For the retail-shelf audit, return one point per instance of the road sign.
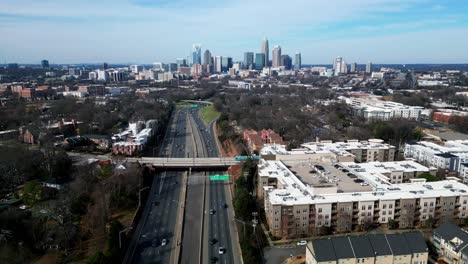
(218, 177)
(194, 105)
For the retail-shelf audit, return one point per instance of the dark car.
(225, 205)
(213, 260)
(213, 241)
(358, 180)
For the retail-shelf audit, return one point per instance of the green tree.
(429, 177)
(32, 192)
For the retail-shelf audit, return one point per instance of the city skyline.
(426, 31)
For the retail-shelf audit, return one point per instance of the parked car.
(302, 243)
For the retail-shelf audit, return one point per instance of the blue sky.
(145, 31)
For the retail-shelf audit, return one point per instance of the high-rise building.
(276, 57)
(369, 67)
(217, 64)
(197, 70)
(297, 61)
(136, 68)
(173, 67)
(266, 51)
(196, 54)
(340, 67)
(105, 66)
(259, 61)
(158, 66)
(248, 60)
(181, 63)
(353, 67)
(102, 75)
(286, 61)
(207, 57)
(45, 64)
(226, 63)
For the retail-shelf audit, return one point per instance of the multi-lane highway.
(204, 231)
(218, 231)
(159, 217)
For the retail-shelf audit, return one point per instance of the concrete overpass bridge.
(193, 163)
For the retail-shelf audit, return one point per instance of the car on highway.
(163, 242)
(221, 250)
(213, 241)
(302, 243)
(212, 212)
(225, 205)
(213, 260)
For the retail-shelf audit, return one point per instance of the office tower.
(136, 68)
(226, 63)
(286, 61)
(369, 67)
(72, 71)
(353, 67)
(45, 64)
(197, 70)
(206, 57)
(266, 51)
(12, 66)
(217, 63)
(344, 68)
(92, 75)
(117, 76)
(158, 66)
(337, 64)
(196, 54)
(102, 75)
(259, 61)
(297, 61)
(181, 62)
(248, 60)
(276, 57)
(105, 66)
(173, 67)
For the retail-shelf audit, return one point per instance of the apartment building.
(303, 202)
(257, 139)
(351, 150)
(451, 243)
(403, 248)
(374, 109)
(446, 156)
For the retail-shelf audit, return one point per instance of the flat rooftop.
(308, 173)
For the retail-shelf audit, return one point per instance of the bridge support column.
(190, 171)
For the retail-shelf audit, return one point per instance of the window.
(320, 210)
(363, 207)
(368, 213)
(327, 216)
(384, 206)
(383, 219)
(390, 206)
(384, 212)
(389, 212)
(425, 204)
(369, 207)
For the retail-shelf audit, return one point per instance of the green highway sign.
(217, 177)
(194, 105)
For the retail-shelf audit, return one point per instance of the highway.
(218, 225)
(159, 217)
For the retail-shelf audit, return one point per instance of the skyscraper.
(217, 64)
(196, 54)
(248, 60)
(259, 61)
(276, 57)
(340, 67)
(181, 62)
(369, 67)
(105, 66)
(226, 63)
(266, 51)
(45, 64)
(297, 61)
(353, 67)
(206, 57)
(286, 61)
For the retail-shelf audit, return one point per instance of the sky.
(147, 31)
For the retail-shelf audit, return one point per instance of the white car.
(221, 250)
(163, 242)
(23, 207)
(302, 243)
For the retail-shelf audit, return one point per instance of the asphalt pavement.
(159, 217)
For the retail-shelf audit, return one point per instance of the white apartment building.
(447, 157)
(299, 202)
(351, 150)
(373, 109)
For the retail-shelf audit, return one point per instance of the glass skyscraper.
(259, 61)
(248, 59)
(196, 54)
